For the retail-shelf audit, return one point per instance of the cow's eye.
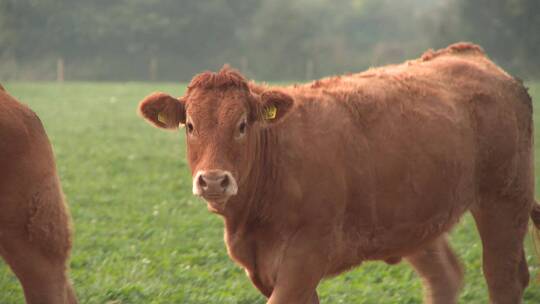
(189, 127)
(242, 127)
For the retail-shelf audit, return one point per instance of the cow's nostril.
(202, 182)
(225, 182)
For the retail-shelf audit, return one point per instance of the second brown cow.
(314, 179)
(35, 225)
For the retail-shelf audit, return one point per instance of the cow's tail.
(535, 217)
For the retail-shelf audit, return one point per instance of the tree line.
(266, 39)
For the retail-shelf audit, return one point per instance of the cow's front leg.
(301, 269)
(297, 293)
(315, 298)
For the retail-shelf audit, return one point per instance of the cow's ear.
(163, 110)
(274, 106)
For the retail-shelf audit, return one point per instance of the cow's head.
(223, 117)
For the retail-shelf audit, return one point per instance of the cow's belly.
(409, 186)
(386, 234)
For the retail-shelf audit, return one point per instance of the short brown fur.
(35, 229)
(371, 166)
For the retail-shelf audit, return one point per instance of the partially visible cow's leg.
(37, 242)
(293, 295)
(315, 299)
(301, 269)
(296, 285)
(440, 270)
(502, 225)
(454, 262)
(43, 278)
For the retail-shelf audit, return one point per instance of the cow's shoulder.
(14, 112)
(20, 127)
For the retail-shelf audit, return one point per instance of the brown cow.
(314, 179)
(35, 228)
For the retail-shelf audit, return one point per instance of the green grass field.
(141, 237)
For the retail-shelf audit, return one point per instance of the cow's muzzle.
(214, 185)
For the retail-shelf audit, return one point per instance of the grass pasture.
(141, 237)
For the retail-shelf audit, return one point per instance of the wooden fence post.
(244, 65)
(60, 70)
(153, 69)
(310, 67)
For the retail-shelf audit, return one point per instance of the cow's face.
(219, 136)
(223, 119)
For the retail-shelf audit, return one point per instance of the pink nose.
(213, 182)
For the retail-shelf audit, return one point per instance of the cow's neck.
(255, 195)
(250, 213)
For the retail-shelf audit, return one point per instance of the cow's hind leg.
(43, 277)
(502, 225)
(37, 246)
(440, 270)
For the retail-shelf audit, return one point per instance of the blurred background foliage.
(163, 40)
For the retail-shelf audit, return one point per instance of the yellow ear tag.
(270, 112)
(161, 118)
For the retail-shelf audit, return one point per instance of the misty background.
(272, 40)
